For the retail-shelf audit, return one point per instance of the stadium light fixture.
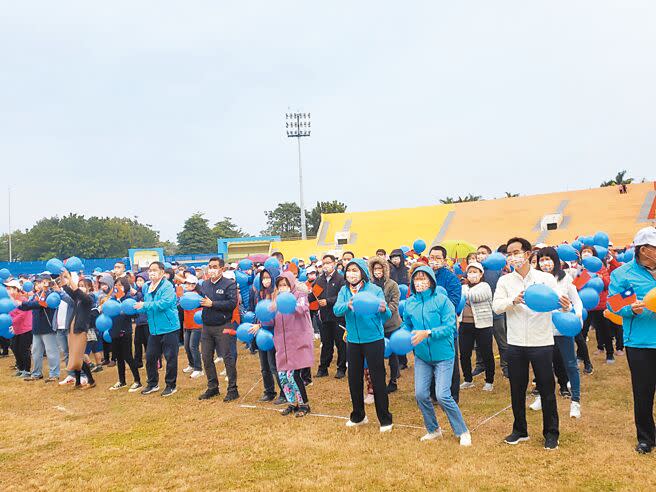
(298, 125)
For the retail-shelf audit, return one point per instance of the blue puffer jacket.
(639, 329)
(447, 279)
(161, 308)
(362, 329)
(430, 310)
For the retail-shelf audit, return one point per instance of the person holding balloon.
(21, 326)
(632, 295)
(192, 331)
(431, 318)
(363, 306)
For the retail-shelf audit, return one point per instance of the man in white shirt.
(530, 340)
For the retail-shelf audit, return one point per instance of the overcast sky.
(158, 109)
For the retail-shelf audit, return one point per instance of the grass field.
(56, 438)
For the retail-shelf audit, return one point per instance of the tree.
(227, 228)
(467, 198)
(619, 180)
(284, 221)
(313, 218)
(511, 195)
(196, 236)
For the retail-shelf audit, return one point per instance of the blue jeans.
(47, 342)
(568, 354)
(443, 372)
(192, 348)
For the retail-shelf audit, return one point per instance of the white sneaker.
(569, 385)
(465, 439)
(188, 369)
(317, 336)
(432, 435)
(386, 428)
(223, 373)
(575, 410)
(84, 381)
(369, 399)
(364, 421)
(196, 374)
(69, 380)
(218, 359)
(488, 387)
(467, 384)
(537, 404)
(135, 387)
(117, 386)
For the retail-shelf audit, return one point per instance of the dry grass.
(55, 438)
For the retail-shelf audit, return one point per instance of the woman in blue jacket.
(432, 319)
(365, 336)
(639, 325)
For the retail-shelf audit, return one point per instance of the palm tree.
(448, 199)
(619, 180)
(460, 199)
(511, 195)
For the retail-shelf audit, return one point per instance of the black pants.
(393, 361)
(616, 333)
(582, 347)
(332, 335)
(541, 359)
(141, 334)
(4, 345)
(212, 338)
(20, 346)
(269, 372)
(559, 368)
(306, 374)
(375, 355)
(642, 363)
(483, 338)
(123, 350)
(602, 330)
(167, 345)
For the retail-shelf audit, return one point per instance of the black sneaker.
(392, 387)
(565, 393)
(535, 392)
(478, 370)
(515, 438)
(266, 398)
(643, 448)
(588, 369)
(168, 391)
(149, 389)
(340, 375)
(230, 396)
(281, 400)
(208, 394)
(504, 370)
(321, 373)
(288, 410)
(302, 411)
(403, 367)
(550, 443)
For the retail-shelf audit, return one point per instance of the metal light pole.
(9, 210)
(298, 126)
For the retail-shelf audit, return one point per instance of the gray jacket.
(391, 291)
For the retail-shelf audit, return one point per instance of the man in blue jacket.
(160, 305)
(639, 276)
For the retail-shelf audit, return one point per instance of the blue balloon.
(441, 290)
(568, 324)
(111, 308)
(577, 245)
(248, 317)
(241, 278)
(365, 304)
(53, 300)
(28, 286)
(596, 284)
(388, 348)
(403, 290)
(3, 292)
(107, 336)
(190, 301)
(4, 273)
(198, 317)
(104, 322)
(286, 303)
(495, 262)
(74, 264)
(601, 239)
(245, 264)
(541, 298)
(401, 342)
(264, 340)
(628, 255)
(294, 261)
(587, 240)
(127, 307)
(461, 304)
(6, 305)
(97, 270)
(272, 263)
(402, 308)
(419, 246)
(55, 266)
(620, 257)
(302, 275)
(601, 251)
(405, 249)
(313, 258)
(168, 264)
(263, 312)
(567, 252)
(592, 263)
(584, 314)
(256, 283)
(5, 322)
(589, 298)
(242, 333)
(457, 268)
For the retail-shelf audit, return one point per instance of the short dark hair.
(590, 248)
(332, 257)
(381, 250)
(502, 249)
(159, 264)
(437, 247)
(526, 244)
(486, 248)
(216, 258)
(348, 253)
(278, 253)
(120, 261)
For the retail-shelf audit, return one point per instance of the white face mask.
(517, 261)
(547, 265)
(587, 254)
(328, 269)
(421, 285)
(473, 277)
(266, 283)
(213, 272)
(353, 278)
(378, 273)
(436, 264)
(481, 257)
(153, 276)
(283, 288)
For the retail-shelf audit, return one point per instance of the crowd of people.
(455, 311)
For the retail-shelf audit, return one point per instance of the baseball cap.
(475, 264)
(13, 283)
(229, 274)
(191, 279)
(645, 237)
(311, 270)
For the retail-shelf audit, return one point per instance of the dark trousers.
(269, 372)
(20, 346)
(483, 338)
(642, 363)
(4, 345)
(541, 359)
(559, 368)
(332, 335)
(602, 331)
(166, 345)
(123, 350)
(374, 352)
(616, 333)
(393, 361)
(108, 351)
(213, 339)
(141, 334)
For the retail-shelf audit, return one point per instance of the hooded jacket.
(21, 321)
(43, 318)
(360, 328)
(264, 293)
(431, 310)
(293, 336)
(398, 273)
(390, 290)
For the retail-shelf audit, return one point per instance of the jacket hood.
(397, 252)
(274, 277)
(428, 271)
(289, 276)
(377, 260)
(107, 279)
(362, 265)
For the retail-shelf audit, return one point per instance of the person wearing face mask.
(192, 332)
(476, 326)
(141, 331)
(218, 303)
(431, 318)
(639, 276)
(365, 337)
(21, 327)
(329, 284)
(530, 341)
(160, 305)
(565, 363)
(398, 270)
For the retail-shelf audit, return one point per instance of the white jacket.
(565, 287)
(480, 300)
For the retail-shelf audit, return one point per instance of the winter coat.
(161, 308)
(390, 290)
(480, 299)
(43, 318)
(21, 321)
(398, 273)
(330, 291)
